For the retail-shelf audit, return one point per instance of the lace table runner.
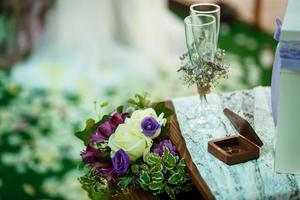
(251, 180)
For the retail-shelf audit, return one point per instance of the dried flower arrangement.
(201, 70)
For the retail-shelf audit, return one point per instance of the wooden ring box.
(236, 149)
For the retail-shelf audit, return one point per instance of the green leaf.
(100, 187)
(140, 101)
(104, 104)
(157, 176)
(94, 195)
(120, 109)
(169, 159)
(156, 185)
(95, 189)
(156, 168)
(145, 186)
(144, 167)
(181, 163)
(104, 119)
(87, 132)
(124, 182)
(166, 153)
(181, 166)
(144, 177)
(174, 179)
(170, 192)
(184, 176)
(135, 169)
(161, 108)
(153, 159)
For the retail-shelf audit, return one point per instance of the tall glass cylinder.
(200, 33)
(208, 9)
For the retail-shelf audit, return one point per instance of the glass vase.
(208, 9)
(200, 33)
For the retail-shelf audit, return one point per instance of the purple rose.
(149, 126)
(103, 165)
(159, 148)
(120, 162)
(104, 131)
(111, 175)
(91, 155)
(115, 120)
(125, 115)
(107, 171)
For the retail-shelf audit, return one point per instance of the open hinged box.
(236, 149)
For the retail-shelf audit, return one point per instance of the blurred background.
(59, 56)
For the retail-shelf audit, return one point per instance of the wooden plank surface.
(178, 140)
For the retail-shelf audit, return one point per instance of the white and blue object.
(286, 91)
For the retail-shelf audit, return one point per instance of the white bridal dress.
(102, 48)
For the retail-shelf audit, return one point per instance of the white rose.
(129, 137)
(138, 116)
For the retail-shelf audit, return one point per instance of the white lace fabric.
(251, 180)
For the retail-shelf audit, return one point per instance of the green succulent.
(163, 174)
(95, 186)
(157, 175)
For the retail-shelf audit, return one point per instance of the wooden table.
(254, 179)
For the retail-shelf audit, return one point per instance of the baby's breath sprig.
(203, 73)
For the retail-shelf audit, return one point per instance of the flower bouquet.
(129, 149)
